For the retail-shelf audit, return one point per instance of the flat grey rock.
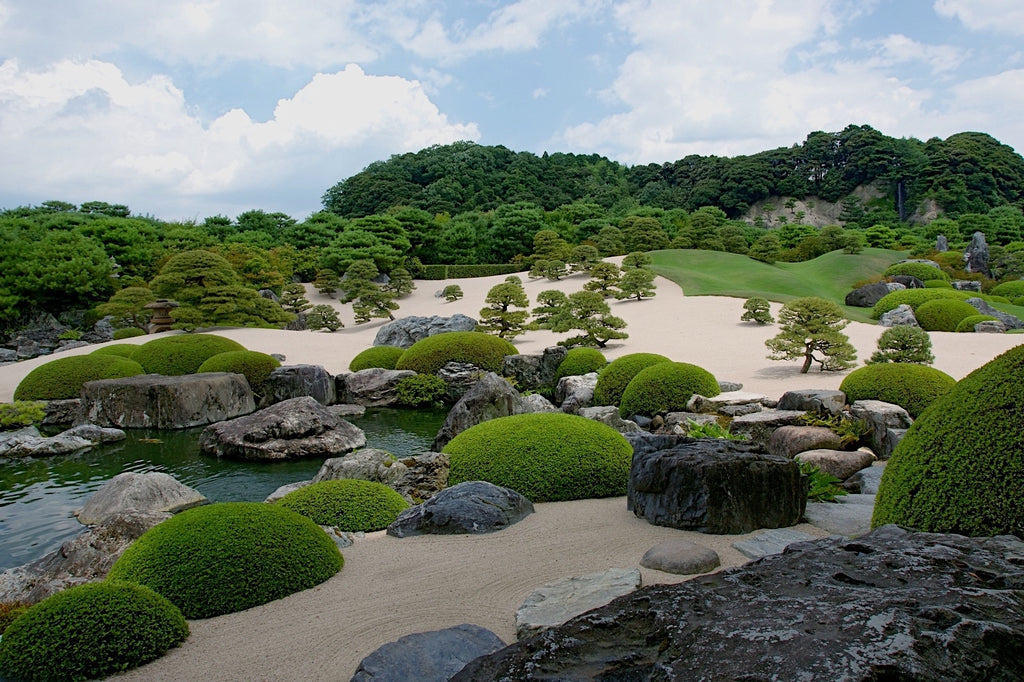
(427, 656)
(769, 542)
(555, 603)
(850, 517)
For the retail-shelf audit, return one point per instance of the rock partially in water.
(132, 492)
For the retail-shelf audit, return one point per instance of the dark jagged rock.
(534, 371)
(295, 381)
(908, 281)
(473, 507)
(374, 387)
(890, 605)
(1008, 320)
(427, 656)
(813, 400)
(490, 397)
(406, 331)
(976, 255)
(867, 295)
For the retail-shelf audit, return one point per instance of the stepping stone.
(770, 542)
(850, 517)
(681, 557)
(562, 600)
(428, 656)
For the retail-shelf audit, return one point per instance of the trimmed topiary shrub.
(666, 387)
(959, 467)
(912, 387)
(922, 271)
(937, 284)
(229, 556)
(614, 378)
(181, 354)
(967, 324)
(545, 457)
(348, 504)
(579, 361)
(63, 378)
(1012, 289)
(943, 316)
(420, 389)
(383, 357)
(914, 298)
(428, 355)
(121, 350)
(254, 366)
(90, 631)
(128, 333)
(904, 343)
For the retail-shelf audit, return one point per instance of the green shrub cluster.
(666, 387)
(468, 271)
(914, 298)
(579, 361)
(912, 387)
(922, 271)
(128, 333)
(383, 357)
(9, 610)
(943, 315)
(122, 350)
(229, 556)
(428, 355)
(63, 378)
(90, 631)
(937, 284)
(967, 323)
(757, 309)
(254, 366)
(420, 389)
(182, 353)
(348, 504)
(614, 378)
(21, 413)
(1018, 301)
(959, 467)
(544, 457)
(1012, 289)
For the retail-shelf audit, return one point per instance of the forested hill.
(967, 172)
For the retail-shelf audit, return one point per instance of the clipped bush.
(128, 333)
(1012, 289)
(419, 390)
(914, 298)
(967, 324)
(666, 387)
(912, 387)
(452, 292)
(958, 469)
(580, 361)
(545, 457)
(63, 378)
(937, 284)
(757, 309)
(1018, 301)
(348, 504)
(614, 378)
(904, 343)
(383, 357)
(122, 350)
(229, 556)
(922, 271)
(942, 315)
(428, 355)
(254, 366)
(181, 354)
(90, 631)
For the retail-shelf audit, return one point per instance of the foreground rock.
(300, 427)
(839, 463)
(887, 422)
(573, 393)
(427, 656)
(406, 331)
(557, 602)
(473, 507)
(681, 557)
(828, 610)
(489, 398)
(147, 493)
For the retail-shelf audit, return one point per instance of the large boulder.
(900, 316)
(473, 507)
(788, 441)
(425, 475)
(374, 387)
(427, 656)
(295, 381)
(572, 393)
(300, 427)
(869, 294)
(153, 401)
(458, 377)
(366, 464)
(813, 400)
(555, 603)
(1009, 321)
(888, 423)
(976, 255)
(490, 397)
(534, 371)
(828, 610)
(406, 331)
(150, 492)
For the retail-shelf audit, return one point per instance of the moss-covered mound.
(666, 387)
(580, 361)
(428, 355)
(937, 284)
(942, 315)
(1012, 289)
(960, 466)
(255, 367)
(121, 350)
(914, 298)
(63, 378)
(229, 556)
(181, 354)
(912, 387)
(614, 378)
(545, 457)
(90, 631)
(967, 324)
(383, 357)
(128, 333)
(348, 504)
(923, 271)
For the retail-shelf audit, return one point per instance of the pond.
(38, 496)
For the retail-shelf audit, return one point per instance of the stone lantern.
(161, 319)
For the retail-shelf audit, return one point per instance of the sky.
(184, 110)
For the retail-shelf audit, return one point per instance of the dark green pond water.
(38, 496)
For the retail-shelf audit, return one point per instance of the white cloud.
(539, 93)
(899, 48)
(999, 16)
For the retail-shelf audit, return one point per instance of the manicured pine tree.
(586, 311)
(555, 270)
(636, 259)
(400, 283)
(636, 283)
(326, 281)
(813, 325)
(293, 298)
(604, 277)
(499, 316)
(550, 301)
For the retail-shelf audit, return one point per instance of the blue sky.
(188, 109)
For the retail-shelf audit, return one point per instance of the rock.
(681, 557)
(153, 401)
(788, 441)
(813, 400)
(406, 331)
(769, 542)
(679, 422)
(534, 371)
(865, 481)
(131, 492)
(10, 440)
(101, 332)
(284, 490)
(759, 426)
(300, 427)
(557, 602)
(374, 387)
(269, 295)
(729, 386)
(966, 285)
(888, 422)
(704, 405)
(95, 434)
(491, 397)
(61, 411)
(295, 381)
(427, 656)
(941, 244)
(366, 464)
(609, 415)
(347, 410)
(868, 295)
(990, 327)
(535, 402)
(29, 443)
(713, 485)
(460, 377)
(976, 255)
(66, 344)
(425, 476)
(473, 507)
(575, 392)
(839, 463)
(983, 307)
(828, 610)
(299, 324)
(739, 410)
(849, 515)
(29, 350)
(908, 281)
(901, 315)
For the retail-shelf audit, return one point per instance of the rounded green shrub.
(1018, 301)
(912, 387)
(122, 350)
(383, 357)
(90, 631)
(904, 343)
(428, 355)
(579, 361)
(63, 378)
(1012, 289)
(420, 389)
(937, 284)
(922, 271)
(914, 298)
(959, 467)
(666, 387)
(128, 333)
(229, 556)
(182, 353)
(967, 324)
(614, 378)
(348, 504)
(943, 316)
(545, 457)
(992, 299)
(9, 611)
(254, 366)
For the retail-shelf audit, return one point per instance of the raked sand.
(391, 587)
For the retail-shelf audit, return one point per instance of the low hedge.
(579, 361)
(128, 333)
(182, 353)
(122, 350)
(914, 298)
(922, 271)
(229, 556)
(967, 324)
(468, 271)
(428, 355)
(1012, 289)
(614, 378)
(63, 378)
(913, 387)
(254, 366)
(666, 387)
(383, 357)
(348, 504)
(942, 315)
(90, 631)
(545, 457)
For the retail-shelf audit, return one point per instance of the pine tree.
(499, 317)
(358, 278)
(555, 270)
(604, 277)
(636, 283)
(550, 301)
(452, 293)
(757, 310)
(587, 312)
(813, 325)
(373, 302)
(326, 281)
(400, 282)
(293, 298)
(636, 259)
(323, 316)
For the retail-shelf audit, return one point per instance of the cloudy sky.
(188, 109)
